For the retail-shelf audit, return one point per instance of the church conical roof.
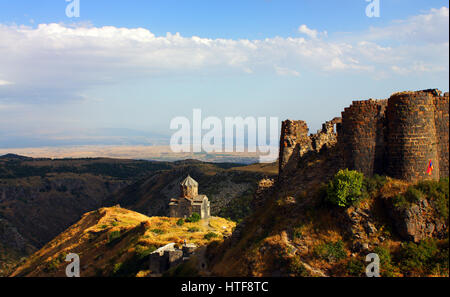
(189, 182)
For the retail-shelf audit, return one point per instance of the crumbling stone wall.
(294, 143)
(327, 137)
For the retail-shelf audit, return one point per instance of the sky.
(122, 70)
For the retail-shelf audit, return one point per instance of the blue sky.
(253, 19)
(116, 68)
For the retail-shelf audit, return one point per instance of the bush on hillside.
(211, 235)
(345, 188)
(195, 217)
(427, 257)
(435, 191)
(331, 251)
(373, 184)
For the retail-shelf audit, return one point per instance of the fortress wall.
(327, 137)
(395, 137)
(294, 142)
(442, 126)
(411, 140)
(361, 136)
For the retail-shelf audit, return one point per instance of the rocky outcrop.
(418, 221)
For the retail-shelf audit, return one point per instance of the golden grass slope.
(106, 238)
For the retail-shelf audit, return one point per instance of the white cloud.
(59, 62)
(5, 83)
(311, 32)
(431, 27)
(286, 71)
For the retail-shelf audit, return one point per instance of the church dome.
(189, 182)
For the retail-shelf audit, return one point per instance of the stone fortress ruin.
(396, 137)
(189, 201)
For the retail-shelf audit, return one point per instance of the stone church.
(189, 201)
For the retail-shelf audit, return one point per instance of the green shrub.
(412, 195)
(52, 266)
(116, 268)
(437, 192)
(210, 235)
(158, 231)
(180, 222)
(373, 184)
(331, 251)
(144, 251)
(424, 258)
(386, 267)
(296, 267)
(193, 229)
(345, 188)
(356, 267)
(195, 217)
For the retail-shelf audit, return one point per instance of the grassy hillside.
(116, 242)
(40, 198)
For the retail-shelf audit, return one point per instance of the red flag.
(430, 168)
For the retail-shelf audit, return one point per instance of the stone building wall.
(189, 192)
(442, 127)
(411, 140)
(362, 136)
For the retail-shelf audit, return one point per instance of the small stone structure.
(189, 201)
(169, 256)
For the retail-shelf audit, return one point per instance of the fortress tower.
(362, 136)
(412, 138)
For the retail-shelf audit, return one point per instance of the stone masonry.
(395, 137)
